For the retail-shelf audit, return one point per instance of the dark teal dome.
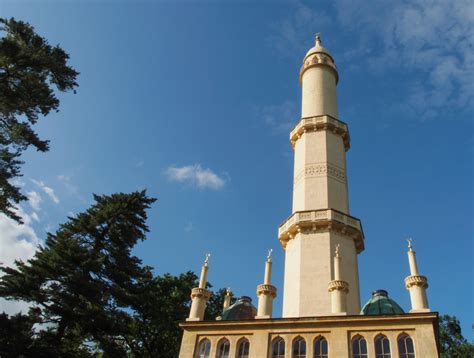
(381, 304)
(242, 309)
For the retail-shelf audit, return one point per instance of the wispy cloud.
(67, 181)
(34, 199)
(46, 189)
(188, 227)
(280, 117)
(291, 35)
(196, 175)
(429, 41)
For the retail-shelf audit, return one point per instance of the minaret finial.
(409, 244)
(269, 256)
(318, 39)
(206, 261)
(337, 250)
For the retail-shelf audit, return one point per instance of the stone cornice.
(312, 322)
(318, 59)
(321, 221)
(319, 123)
(265, 289)
(338, 285)
(416, 280)
(200, 292)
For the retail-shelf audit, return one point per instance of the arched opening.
(243, 348)
(278, 348)
(406, 348)
(223, 348)
(204, 349)
(321, 347)
(359, 347)
(382, 347)
(299, 348)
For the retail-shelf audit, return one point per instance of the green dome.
(242, 309)
(380, 304)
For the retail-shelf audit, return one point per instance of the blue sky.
(194, 101)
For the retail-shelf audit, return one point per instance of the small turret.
(266, 292)
(200, 295)
(416, 284)
(338, 288)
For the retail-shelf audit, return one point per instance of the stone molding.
(338, 285)
(321, 170)
(200, 292)
(324, 220)
(265, 289)
(319, 123)
(416, 280)
(318, 59)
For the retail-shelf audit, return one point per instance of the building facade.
(322, 315)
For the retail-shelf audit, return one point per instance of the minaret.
(227, 299)
(338, 288)
(266, 292)
(416, 284)
(200, 295)
(320, 218)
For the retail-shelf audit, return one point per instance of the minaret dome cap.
(318, 48)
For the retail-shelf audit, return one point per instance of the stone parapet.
(318, 59)
(416, 280)
(321, 220)
(320, 123)
(265, 289)
(338, 285)
(200, 292)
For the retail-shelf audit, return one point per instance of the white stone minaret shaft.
(320, 218)
(416, 284)
(266, 292)
(200, 295)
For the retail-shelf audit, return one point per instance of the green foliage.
(85, 278)
(91, 296)
(452, 342)
(30, 71)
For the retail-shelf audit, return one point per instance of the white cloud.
(34, 199)
(48, 190)
(18, 241)
(197, 176)
(431, 40)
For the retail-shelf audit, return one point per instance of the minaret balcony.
(321, 220)
(320, 123)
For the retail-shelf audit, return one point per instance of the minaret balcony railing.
(320, 123)
(322, 220)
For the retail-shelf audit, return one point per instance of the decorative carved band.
(318, 59)
(338, 285)
(264, 289)
(321, 170)
(200, 292)
(307, 222)
(320, 123)
(416, 280)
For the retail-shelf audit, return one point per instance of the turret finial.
(206, 261)
(269, 256)
(337, 250)
(409, 244)
(318, 39)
